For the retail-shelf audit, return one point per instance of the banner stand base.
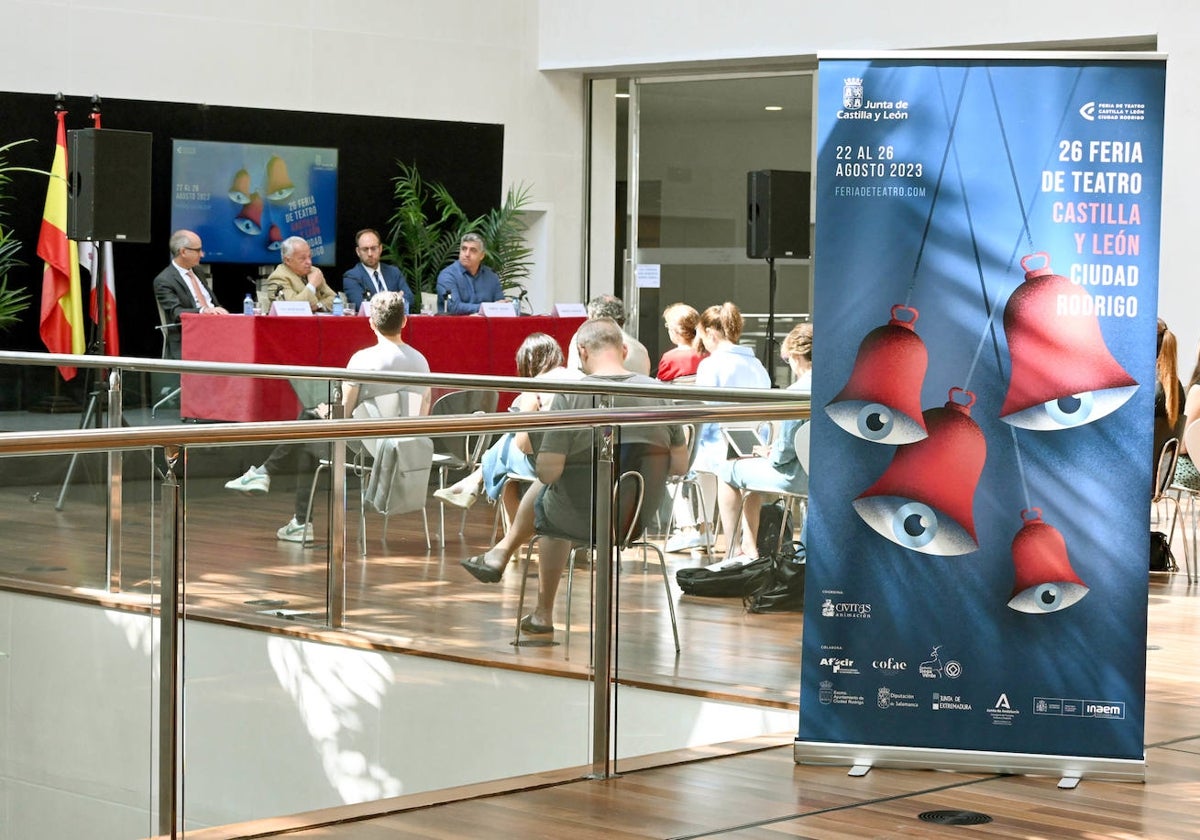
(1071, 769)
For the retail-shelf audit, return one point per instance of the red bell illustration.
(1045, 581)
(279, 185)
(882, 400)
(239, 190)
(1062, 373)
(249, 221)
(274, 238)
(924, 499)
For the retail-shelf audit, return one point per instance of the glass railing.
(357, 663)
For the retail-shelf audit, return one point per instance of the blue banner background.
(981, 134)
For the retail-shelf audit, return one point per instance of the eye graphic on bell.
(1062, 374)
(924, 500)
(1044, 581)
(881, 402)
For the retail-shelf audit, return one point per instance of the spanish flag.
(62, 309)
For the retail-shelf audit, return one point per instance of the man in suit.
(370, 277)
(179, 289)
(467, 282)
(296, 278)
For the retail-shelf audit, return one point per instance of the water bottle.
(339, 308)
(248, 305)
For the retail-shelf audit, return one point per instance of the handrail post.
(335, 590)
(169, 650)
(604, 580)
(115, 479)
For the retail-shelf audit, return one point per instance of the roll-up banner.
(986, 273)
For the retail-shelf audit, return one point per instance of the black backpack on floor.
(782, 589)
(733, 582)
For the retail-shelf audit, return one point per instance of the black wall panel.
(466, 157)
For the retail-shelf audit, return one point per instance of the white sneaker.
(685, 540)
(295, 532)
(252, 481)
(455, 497)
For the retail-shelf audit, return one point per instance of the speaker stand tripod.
(99, 385)
(769, 354)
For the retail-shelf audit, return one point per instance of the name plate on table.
(569, 310)
(497, 309)
(291, 307)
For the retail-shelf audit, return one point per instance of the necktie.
(198, 289)
(378, 282)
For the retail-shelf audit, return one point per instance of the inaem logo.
(1088, 111)
(1002, 703)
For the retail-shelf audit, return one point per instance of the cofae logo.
(889, 664)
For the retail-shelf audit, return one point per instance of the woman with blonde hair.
(680, 361)
(727, 365)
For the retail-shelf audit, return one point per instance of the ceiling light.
(622, 96)
(772, 107)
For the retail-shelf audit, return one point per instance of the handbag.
(1161, 557)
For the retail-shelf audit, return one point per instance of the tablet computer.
(742, 441)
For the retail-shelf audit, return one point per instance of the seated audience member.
(369, 276)
(178, 289)
(681, 360)
(1186, 474)
(538, 357)
(776, 467)
(562, 507)
(466, 283)
(388, 353)
(637, 359)
(296, 278)
(726, 365)
(1169, 396)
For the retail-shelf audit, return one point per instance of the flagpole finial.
(60, 102)
(95, 103)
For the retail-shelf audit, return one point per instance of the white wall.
(451, 60)
(276, 725)
(615, 37)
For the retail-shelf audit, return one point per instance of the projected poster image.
(244, 199)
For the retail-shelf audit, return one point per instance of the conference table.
(464, 344)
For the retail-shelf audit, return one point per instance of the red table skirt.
(453, 344)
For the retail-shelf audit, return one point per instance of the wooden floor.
(404, 597)
(759, 792)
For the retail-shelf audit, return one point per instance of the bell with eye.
(881, 402)
(1044, 581)
(925, 498)
(249, 220)
(1062, 373)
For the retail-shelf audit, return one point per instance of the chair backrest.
(1191, 438)
(464, 450)
(1166, 467)
(380, 407)
(644, 469)
(164, 328)
(801, 443)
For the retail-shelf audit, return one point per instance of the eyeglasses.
(368, 248)
(190, 248)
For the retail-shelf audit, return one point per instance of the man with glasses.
(178, 288)
(370, 277)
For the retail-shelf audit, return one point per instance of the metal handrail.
(435, 380)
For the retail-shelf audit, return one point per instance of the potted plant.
(428, 225)
(12, 301)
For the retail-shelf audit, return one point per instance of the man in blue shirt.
(468, 282)
(370, 276)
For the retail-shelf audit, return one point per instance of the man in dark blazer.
(178, 289)
(371, 276)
